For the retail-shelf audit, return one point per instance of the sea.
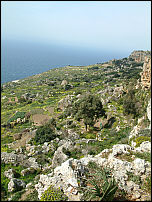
(20, 59)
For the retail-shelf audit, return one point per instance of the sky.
(108, 25)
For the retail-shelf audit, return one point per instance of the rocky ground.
(123, 145)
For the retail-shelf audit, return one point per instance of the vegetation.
(101, 93)
(20, 115)
(129, 104)
(100, 185)
(44, 134)
(89, 108)
(52, 194)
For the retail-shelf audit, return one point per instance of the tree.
(129, 104)
(44, 133)
(89, 108)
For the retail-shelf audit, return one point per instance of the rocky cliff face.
(146, 74)
(149, 112)
(139, 56)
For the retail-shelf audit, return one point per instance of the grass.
(144, 155)
(135, 178)
(18, 169)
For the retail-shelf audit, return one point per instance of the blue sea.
(22, 59)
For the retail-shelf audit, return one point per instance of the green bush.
(44, 134)
(141, 139)
(17, 195)
(74, 153)
(52, 194)
(144, 155)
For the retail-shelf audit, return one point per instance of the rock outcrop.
(139, 55)
(65, 102)
(16, 185)
(66, 175)
(146, 74)
(149, 112)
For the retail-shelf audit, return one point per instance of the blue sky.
(100, 25)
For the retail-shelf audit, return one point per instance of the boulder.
(12, 158)
(139, 166)
(31, 162)
(59, 157)
(64, 177)
(16, 185)
(121, 149)
(65, 102)
(28, 171)
(10, 173)
(47, 147)
(144, 147)
(64, 82)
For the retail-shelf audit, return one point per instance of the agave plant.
(101, 186)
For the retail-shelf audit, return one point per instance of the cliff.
(146, 74)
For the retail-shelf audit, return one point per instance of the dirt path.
(24, 195)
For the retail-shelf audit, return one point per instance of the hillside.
(74, 128)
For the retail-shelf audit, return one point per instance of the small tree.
(89, 108)
(130, 104)
(44, 133)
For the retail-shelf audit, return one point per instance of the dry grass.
(40, 119)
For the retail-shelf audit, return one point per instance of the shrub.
(17, 195)
(44, 134)
(42, 159)
(144, 155)
(100, 184)
(52, 194)
(72, 153)
(141, 139)
(129, 104)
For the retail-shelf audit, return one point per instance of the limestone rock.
(65, 102)
(144, 147)
(134, 132)
(31, 162)
(59, 156)
(65, 177)
(16, 185)
(120, 149)
(12, 158)
(149, 112)
(64, 82)
(27, 171)
(139, 166)
(146, 74)
(10, 173)
(136, 195)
